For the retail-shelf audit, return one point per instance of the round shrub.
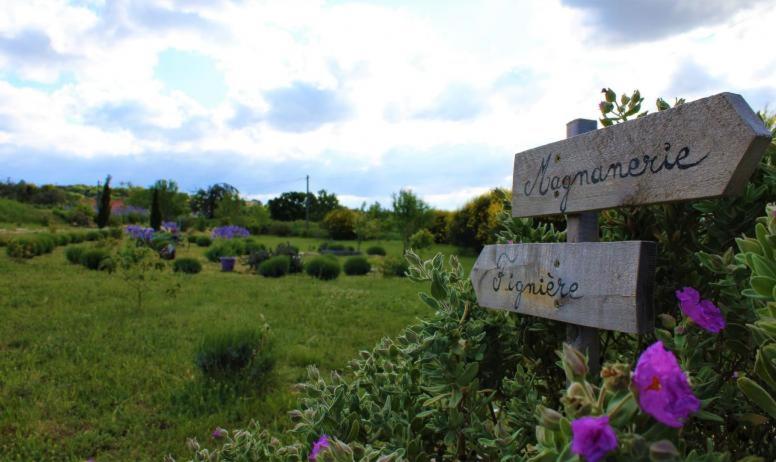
(94, 258)
(22, 247)
(280, 229)
(252, 246)
(104, 233)
(286, 249)
(422, 239)
(275, 267)
(356, 266)
(187, 265)
(62, 238)
(46, 243)
(225, 248)
(92, 235)
(375, 250)
(395, 266)
(73, 253)
(239, 353)
(324, 268)
(340, 223)
(116, 233)
(76, 237)
(204, 241)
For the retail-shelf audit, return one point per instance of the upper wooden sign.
(702, 149)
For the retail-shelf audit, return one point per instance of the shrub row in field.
(41, 243)
(232, 248)
(187, 265)
(93, 258)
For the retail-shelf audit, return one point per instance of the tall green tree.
(156, 211)
(172, 202)
(291, 205)
(410, 214)
(205, 201)
(103, 205)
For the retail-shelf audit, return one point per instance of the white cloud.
(502, 76)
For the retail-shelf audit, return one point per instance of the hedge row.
(38, 244)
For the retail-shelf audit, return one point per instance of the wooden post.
(583, 227)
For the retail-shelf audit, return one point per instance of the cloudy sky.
(365, 97)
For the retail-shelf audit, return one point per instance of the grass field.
(84, 374)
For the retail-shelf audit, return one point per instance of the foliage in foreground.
(475, 383)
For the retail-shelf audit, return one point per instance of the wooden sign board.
(607, 285)
(702, 149)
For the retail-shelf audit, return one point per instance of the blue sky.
(365, 97)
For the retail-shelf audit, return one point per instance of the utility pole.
(307, 207)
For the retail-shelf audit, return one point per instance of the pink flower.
(663, 390)
(592, 437)
(218, 433)
(702, 312)
(318, 446)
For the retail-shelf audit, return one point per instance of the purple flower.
(229, 232)
(663, 390)
(140, 233)
(318, 446)
(702, 312)
(218, 433)
(170, 227)
(592, 437)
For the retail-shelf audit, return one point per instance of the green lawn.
(84, 374)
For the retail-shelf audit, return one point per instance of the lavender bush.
(229, 232)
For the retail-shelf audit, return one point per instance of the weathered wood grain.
(702, 149)
(607, 285)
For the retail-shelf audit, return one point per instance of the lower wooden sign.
(607, 285)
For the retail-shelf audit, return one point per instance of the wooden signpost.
(707, 148)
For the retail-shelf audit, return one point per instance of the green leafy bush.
(187, 265)
(375, 250)
(356, 266)
(423, 239)
(236, 354)
(394, 266)
(225, 248)
(278, 228)
(96, 259)
(116, 233)
(204, 241)
(252, 246)
(340, 223)
(275, 267)
(324, 268)
(30, 246)
(93, 235)
(76, 238)
(73, 253)
(61, 239)
(476, 223)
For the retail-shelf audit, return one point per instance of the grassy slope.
(83, 373)
(18, 213)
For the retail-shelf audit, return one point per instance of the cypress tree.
(156, 211)
(103, 205)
